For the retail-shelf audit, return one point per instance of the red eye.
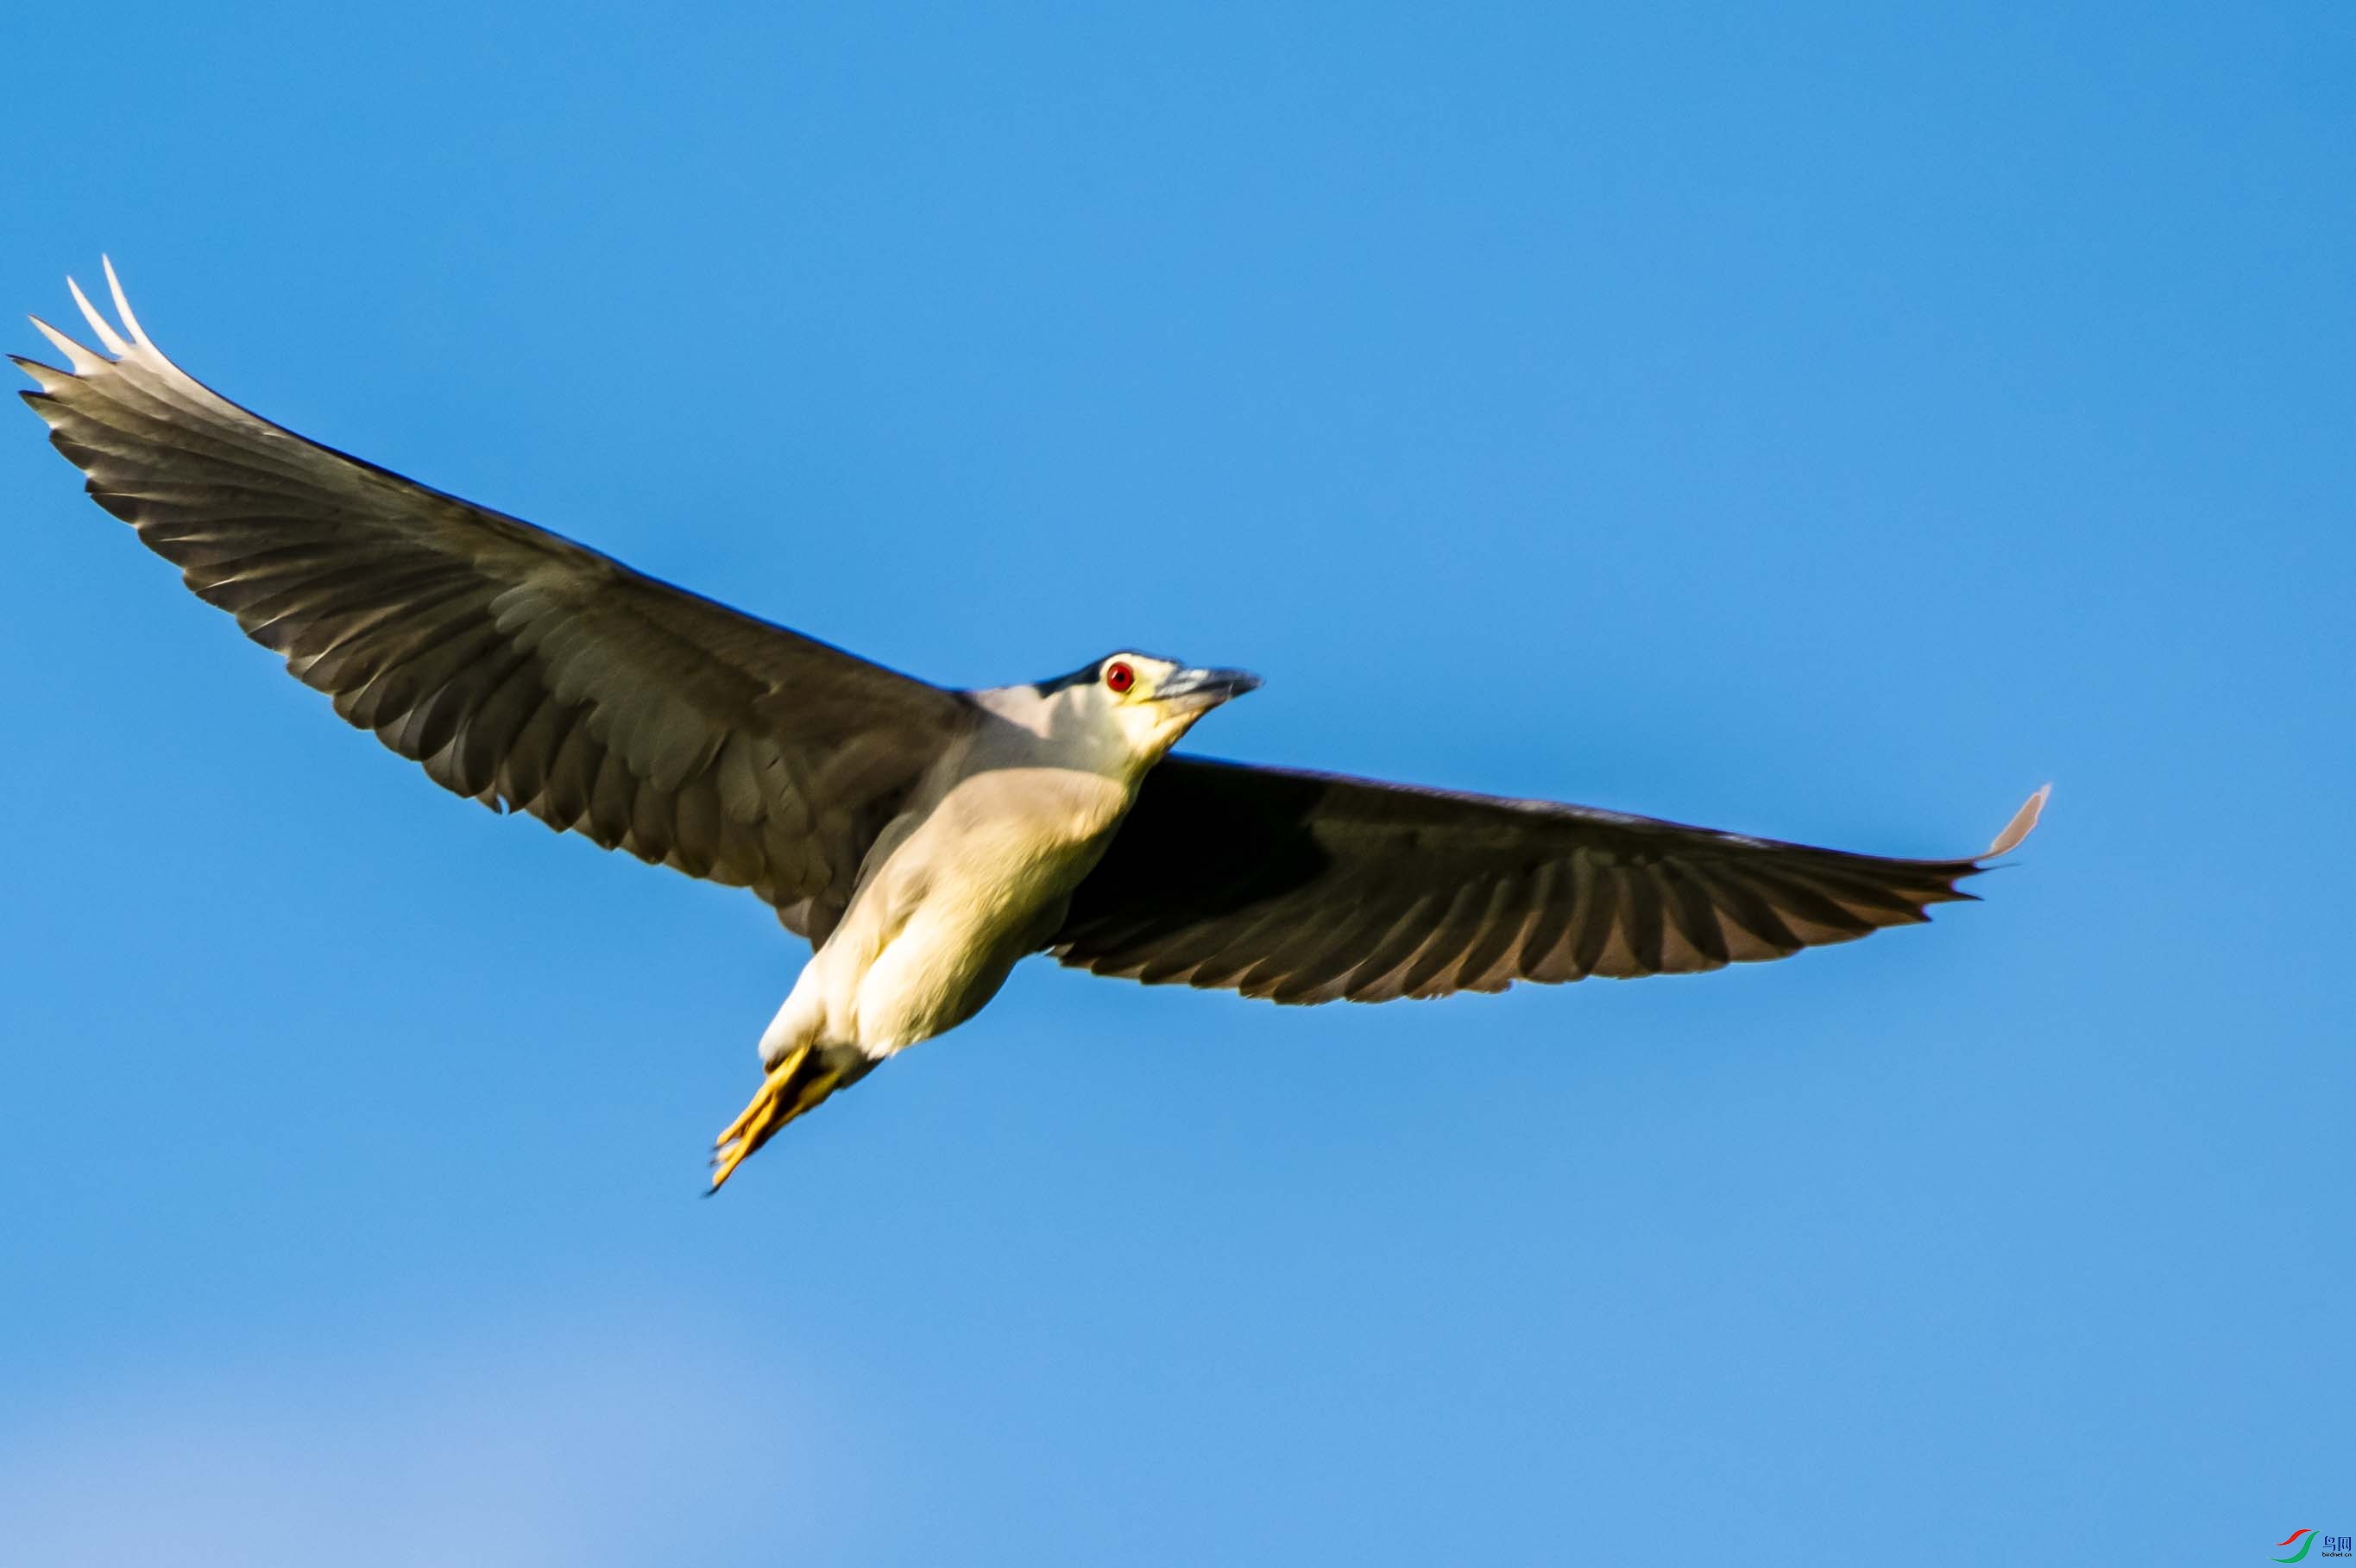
(1120, 677)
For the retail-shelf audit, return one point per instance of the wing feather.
(1308, 888)
(516, 667)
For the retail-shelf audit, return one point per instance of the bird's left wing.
(515, 666)
(1303, 887)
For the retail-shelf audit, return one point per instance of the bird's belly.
(931, 978)
(958, 941)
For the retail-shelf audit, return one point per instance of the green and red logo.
(2332, 1545)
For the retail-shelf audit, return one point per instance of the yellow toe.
(777, 1100)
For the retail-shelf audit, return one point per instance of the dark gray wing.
(1305, 886)
(517, 667)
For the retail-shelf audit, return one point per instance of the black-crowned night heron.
(923, 839)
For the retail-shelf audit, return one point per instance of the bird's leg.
(797, 1083)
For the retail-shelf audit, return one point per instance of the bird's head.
(1144, 703)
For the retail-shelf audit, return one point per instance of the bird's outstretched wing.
(516, 667)
(1303, 887)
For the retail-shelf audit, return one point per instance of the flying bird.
(923, 839)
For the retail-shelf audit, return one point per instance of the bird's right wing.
(517, 667)
(1303, 887)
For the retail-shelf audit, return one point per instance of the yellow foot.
(790, 1089)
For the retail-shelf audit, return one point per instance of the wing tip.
(80, 360)
(115, 342)
(2023, 823)
(130, 340)
(123, 303)
(126, 343)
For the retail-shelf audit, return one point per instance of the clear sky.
(1827, 422)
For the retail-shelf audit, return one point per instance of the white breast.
(965, 893)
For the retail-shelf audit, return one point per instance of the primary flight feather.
(923, 839)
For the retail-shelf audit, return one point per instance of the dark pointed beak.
(1206, 687)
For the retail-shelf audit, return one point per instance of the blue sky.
(1828, 423)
